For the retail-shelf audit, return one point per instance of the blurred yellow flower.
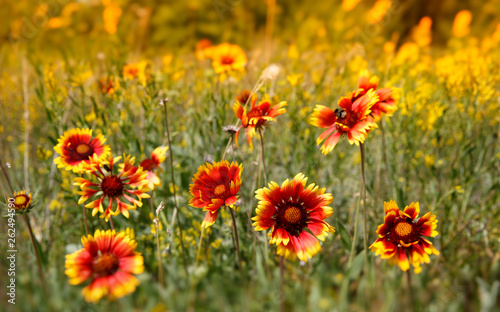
(111, 16)
(167, 60)
(80, 78)
(429, 160)
(378, 11)
(422, 33)
(496, 34)
(293, 52)
(408, 52)
(227, 57)
(461, 23)
(389, 47)
(55, 204)
(203, 49)
(348, 5)
(58, 22)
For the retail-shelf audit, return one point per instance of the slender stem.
(199, 246)
(6, 176)
(282, 284)
(355, 236)
(262, 154)
(111, 223)
(30, 230)
(85, 216)
(365, 236)
(175, 215)
(271, 8)
(85, 220)
(410, 291)
(160, 264)
(38, 261)
(26, 122)
(235, 229)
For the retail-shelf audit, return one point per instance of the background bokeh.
(440, 148)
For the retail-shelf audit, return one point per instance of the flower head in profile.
(402, 236)
(21, 202)
(351, 119)
(77, 146)
(203, 48)
(150, 165)
(114, 187)
(294, 211)
(227, 57)
(386, 103)
(214, 186)
(109, 261)
(258, 116)
(108, 85)
(138, 70)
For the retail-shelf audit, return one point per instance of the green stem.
(160, 265)
(365, 236)
(410, 291)
(355, 235)
(199, 246)
(175, 215)
(37, 255)
(235, 229)
(282, 284)
(111, 223)
(262, 154)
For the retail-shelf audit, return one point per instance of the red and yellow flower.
(150, 165)
(386, 103)
(257, 117)
(292, 211)
(76, 147)
(227, 57)
(115, 187)
(214, 186)
(352, 118)
(108, 85)
(109, 261)
(402, 235)
(22, 201)
(139, 70)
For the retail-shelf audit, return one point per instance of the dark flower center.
(112, 186)
(350, 119)
(405, 231)
(104, 265)
(292, 217)
(81, 152)
(148, 164)
(227, 60)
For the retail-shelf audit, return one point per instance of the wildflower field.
(229, 155)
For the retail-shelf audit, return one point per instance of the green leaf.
(357, 266)
(344, 235)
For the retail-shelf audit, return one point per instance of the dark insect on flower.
(340, 113)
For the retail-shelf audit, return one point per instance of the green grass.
(440, 148)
